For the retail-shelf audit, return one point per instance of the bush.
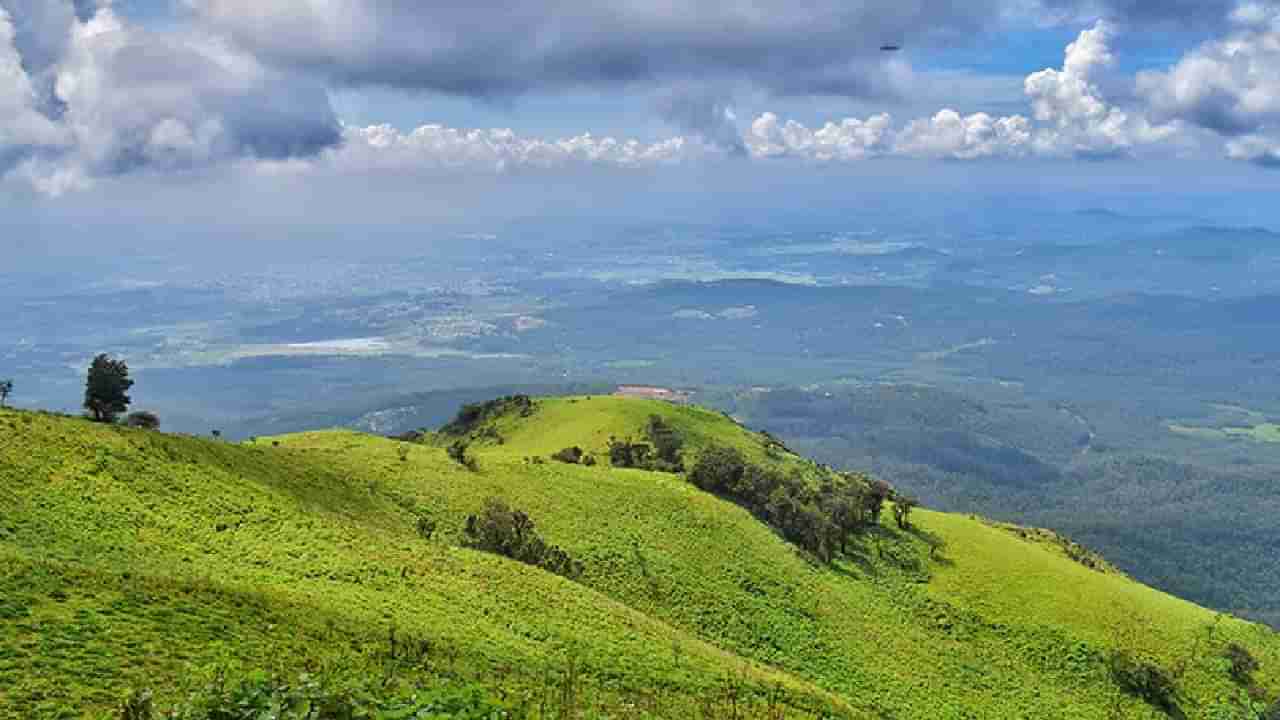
(667, 445)
(571, 455)
(143, 420)
(660, 454)
(1144, 679)
(458, 453)
(502, 530)
(628, 454)
(426, 527)
(1243, 663)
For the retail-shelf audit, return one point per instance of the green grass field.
(1262, 433)
(131, 559)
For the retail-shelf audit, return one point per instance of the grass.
(1263, 433)
(130, 558)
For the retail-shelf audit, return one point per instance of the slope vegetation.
(132, 559)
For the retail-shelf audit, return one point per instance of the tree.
(143, 420)
(106, 390)
(902, 507)
(878, 492)
(719, 469)
(6, 388)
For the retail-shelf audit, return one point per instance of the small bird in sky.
(890, 48)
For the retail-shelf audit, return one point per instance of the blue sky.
(362, 113)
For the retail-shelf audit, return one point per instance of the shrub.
(571, 455)
(628, 454)
(138, 706)
(458, 453)
(426, 527)
(660, 454)
(1243, 663)
(667, 444)
(143, 420)
(1144, 679)
(502, 530)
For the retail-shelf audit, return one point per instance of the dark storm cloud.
(505, 47)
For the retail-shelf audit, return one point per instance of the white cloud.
(125, 99)
(1075, 119)
(950, 135)
(1229, 86)
(436, 147)
(850, 139)
(23, 128)
(1071, 119)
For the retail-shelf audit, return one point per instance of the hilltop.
(134, 559)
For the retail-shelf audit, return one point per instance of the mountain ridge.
(680, 589)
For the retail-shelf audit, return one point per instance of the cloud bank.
(493, 48)
(1230, 86)
(86, 95)
(99, 97)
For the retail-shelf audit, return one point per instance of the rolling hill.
(133, 559)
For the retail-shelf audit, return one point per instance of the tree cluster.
(662, 453)
(818, 517)
(505, 531)
(472, 415)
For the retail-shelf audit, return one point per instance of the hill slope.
(130, 558)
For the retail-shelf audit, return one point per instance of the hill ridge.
(681, 589)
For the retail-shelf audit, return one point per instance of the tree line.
(821, 517)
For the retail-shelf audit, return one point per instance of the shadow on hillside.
(937, 546)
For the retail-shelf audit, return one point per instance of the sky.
(193, 121)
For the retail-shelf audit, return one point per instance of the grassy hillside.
(131, 559)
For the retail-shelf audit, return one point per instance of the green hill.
(133, 559)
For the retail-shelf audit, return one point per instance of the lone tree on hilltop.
(6, 388)
(106, 392)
